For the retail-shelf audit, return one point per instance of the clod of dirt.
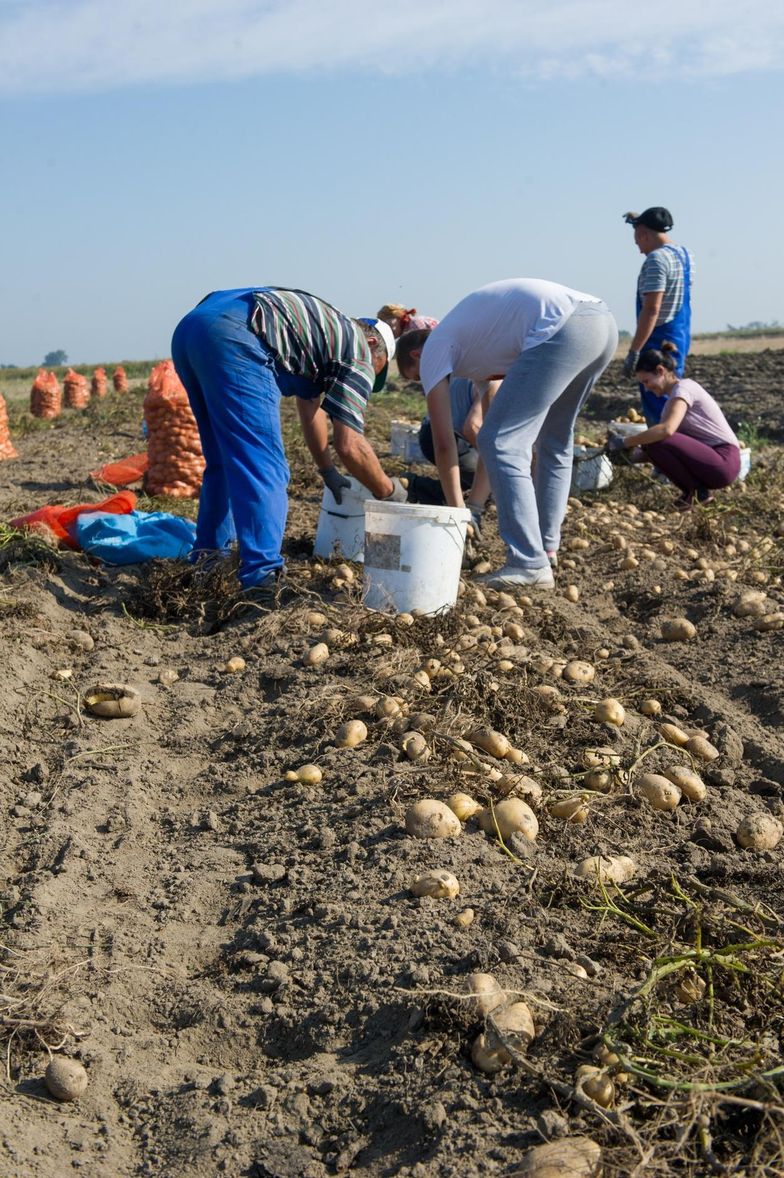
(65, 1078)
(113, 701)
(570, 1157)
(430, 819)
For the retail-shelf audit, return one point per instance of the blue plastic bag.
(135, 537)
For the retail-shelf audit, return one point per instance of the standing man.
(663, 297)
(237, 353)
(548, 345)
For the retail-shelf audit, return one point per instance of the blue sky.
(369, 156)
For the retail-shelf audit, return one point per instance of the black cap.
(656, 218)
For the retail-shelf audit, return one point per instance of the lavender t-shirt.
(704, 419)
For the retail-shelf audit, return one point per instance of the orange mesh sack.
(76, 389)
(6, 445)
(120, 380)
(99, 384)
(173, 444)
(45, 397)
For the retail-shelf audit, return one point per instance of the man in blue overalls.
(663, 298)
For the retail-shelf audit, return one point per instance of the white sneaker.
(515, 577)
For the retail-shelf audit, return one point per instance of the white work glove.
(336, 482)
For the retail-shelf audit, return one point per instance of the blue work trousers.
(231, 381)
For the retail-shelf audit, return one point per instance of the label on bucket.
(382, 551)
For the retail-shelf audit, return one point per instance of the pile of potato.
(173, 444)
(46, 399)
(120, 380)
(99, 385)
(6, 445)
(76, 391)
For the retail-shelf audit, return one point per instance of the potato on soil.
(234, 665)
(415, 747)
(463, 805)
(113, 701)
(490, 741)
(613, 868)
(465, 918)
(439, 884)
(596, 1085)
(599, 780)
(688, 782)
(659, 791)
(350, 734)
(306, 775)
(569, 809)
(759, 832)
(610, 711)
(579, 672)
(317, 655)
(569, 1157)
(678, 630)
(701, 749)
(486, 1058)
(485, 994)
(65, 1078)
(431, 819)
(673, 734)
(509, 816)
(650, 707)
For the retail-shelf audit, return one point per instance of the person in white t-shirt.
(692, 444)
(548, 345)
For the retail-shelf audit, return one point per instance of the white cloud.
(53, 46)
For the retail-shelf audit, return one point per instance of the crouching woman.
(692, 444)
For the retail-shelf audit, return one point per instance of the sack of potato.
(45, 397)
(6, 445)
(173, 444)
(120, 380)
(76, 390)
(99, 386)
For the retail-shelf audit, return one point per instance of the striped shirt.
(662, 270)
(313, 340)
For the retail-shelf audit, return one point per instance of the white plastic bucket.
(398, 435)
(413, 555)
(341, 526)
(413, 451)
(626, 429)
(592, 469)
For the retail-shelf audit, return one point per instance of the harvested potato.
(601, 758)
(650, 707)
(80, 639)
(439, 884)
(509, 816)
(759, 832)
(315, 620)
(431, 819)
(751, 603)
(415, 747)
(568, 1157)
(485, 994)
(769, 622)
(465, 918)
(678, 630)
(234, 665)
(350, 734)
(486, 1058)
(597, 1086)
(579, 672)
(65, 1078)
(490, 741)
(516, 756)
(113, 701)
(610, 711)
(612, 868)
(689, 987)
(688, 782)
(701, 749)
(306, 775)
(673, 734)
(387, 708)
(570, 809)
(317, 655)
(463, 805)
(600, 780)
(167, 676)
(659, 791)
(572, 593)
(512, 1025)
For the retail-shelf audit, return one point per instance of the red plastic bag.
(56, 520)
(46, 400)
(124, 472)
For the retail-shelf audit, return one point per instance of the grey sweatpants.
(538, 403)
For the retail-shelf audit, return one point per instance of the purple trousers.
(693, 465)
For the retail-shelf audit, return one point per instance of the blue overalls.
(234, 387)
(676, 330)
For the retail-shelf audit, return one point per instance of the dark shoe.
(705, 495)
(684, 503)
(261, 596)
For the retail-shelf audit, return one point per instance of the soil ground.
(237, 958)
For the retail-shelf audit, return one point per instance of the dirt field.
(237, 959)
